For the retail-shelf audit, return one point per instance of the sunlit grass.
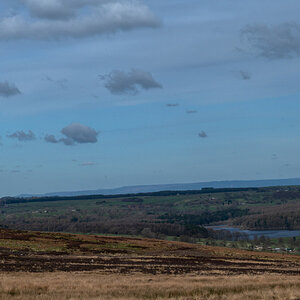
(137, 286)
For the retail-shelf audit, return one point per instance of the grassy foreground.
(35, 265)
(140, 286)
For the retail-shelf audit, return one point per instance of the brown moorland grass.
(93, 285)
(39, 265)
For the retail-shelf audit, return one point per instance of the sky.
(107, 93)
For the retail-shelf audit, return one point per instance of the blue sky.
(106, 93)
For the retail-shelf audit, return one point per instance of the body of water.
(258, 233)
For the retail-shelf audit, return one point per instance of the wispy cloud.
(120, 83)
(23, 136)
(87, 164)
(281, 41)
(10, 171)
(172, 104)
(245, 75)
(8, 89)
(62, 83)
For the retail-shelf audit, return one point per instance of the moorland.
(42, 265)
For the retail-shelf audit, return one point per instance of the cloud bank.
(120, 83)
(281, 41)
(75, 133)
(57, 19)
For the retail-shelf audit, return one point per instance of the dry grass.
(137, 286)
(56, 266)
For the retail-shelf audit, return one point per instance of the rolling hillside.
(39, 265)
(174, 187)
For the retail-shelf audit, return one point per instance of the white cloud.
(75, 133)
(49, 9)
(55, 19)
(119, 82)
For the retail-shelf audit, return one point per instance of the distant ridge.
(175, 187)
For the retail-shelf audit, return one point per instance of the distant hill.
(176, 187)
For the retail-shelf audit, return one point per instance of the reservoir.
(258, 233)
